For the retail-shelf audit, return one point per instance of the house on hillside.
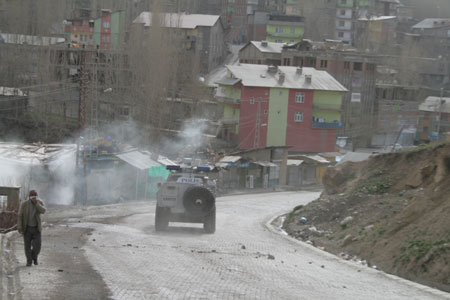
(261, 53)
(106, 32)
(281, 106)
(204, 35)
(79, 32)
(434, 119)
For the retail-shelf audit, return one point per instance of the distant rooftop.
(178, 20)
(432, 104)
(432, 23)
(9, 91)
(375, 18)
(260, 76)
(11, 38)
(268, 47)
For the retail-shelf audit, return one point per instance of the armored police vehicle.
(187, 196)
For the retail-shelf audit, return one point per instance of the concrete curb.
(330, 256)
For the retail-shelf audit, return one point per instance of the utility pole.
(82, 93)
(81, 156)
(440, 112)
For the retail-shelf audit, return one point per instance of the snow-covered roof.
(9, 91)
(432, 23)
(380, 18)
(264, 163)
(259, 76)
(268, 47)
(433, 104)
(12, 38)
(354, 157)
(294, 162)
(318, 158)
(178, 20)
(34, 154)
(230, 159)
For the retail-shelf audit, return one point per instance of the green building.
(285, 29)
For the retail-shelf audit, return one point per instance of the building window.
(324, 63)
(292, 30)
(346, 65)
(340, 34)
(278, 41)
(124, 111)
(356, 97)
(252, 100)
(370, 67)
(106, 25)
(357, 66)
(344, 2)
(341, 23)
(266, 111)
(298, 117)
(279, 30)
(286, 61)
(299, 97)
(342, 12)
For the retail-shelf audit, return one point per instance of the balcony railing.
(323, 125)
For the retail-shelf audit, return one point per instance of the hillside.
(391, 211)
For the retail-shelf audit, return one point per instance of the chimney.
(281, 77)
(299, 70)
(308, 78)
(264, 43)
(272, 69)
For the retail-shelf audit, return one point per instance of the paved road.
(184, 263)
(134, 262)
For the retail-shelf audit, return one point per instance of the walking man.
(29, 225)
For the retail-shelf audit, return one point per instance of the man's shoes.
(35, 262)
(29, 264)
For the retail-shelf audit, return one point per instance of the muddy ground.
(390, 212)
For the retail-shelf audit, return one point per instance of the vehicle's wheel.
(209, 224)
(161, 218)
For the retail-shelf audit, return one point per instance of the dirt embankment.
(392, 212)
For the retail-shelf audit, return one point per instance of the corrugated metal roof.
(178, 20)
(138, 160)
(231, 159)
(264, 163)
(259, 76)
(432, 23)
(317, 158)
(165, 161)
(432, 104)
(270, 48)
(294, 162)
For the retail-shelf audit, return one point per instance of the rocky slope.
(392, 212)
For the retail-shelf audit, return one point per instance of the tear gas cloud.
(56, 182)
